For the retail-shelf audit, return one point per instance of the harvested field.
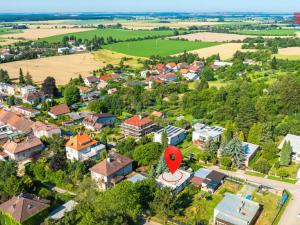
(42, 33)
(63, 68)
(226, 51)
(289, 51)
(109, 57)
(209, 36)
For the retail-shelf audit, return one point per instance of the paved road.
(289, 216)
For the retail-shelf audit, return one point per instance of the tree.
(125, 147)
(103, 139)
(208, 74)
(269, 150)
(71, 94)
(4, 77)
(241, 136)
(210, 150)
(49, 87)
(161, 165)
(262, 166)
(286, 152)
(164, 140)
(227, 134)
(255, 133)
(28, 79)
(147, 154)
(203, 84)
(58, 162)
(235, 150)
(283, 172)
(274, 63)
(226, 161)
(21, 77)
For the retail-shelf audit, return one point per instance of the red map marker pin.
(173, 158)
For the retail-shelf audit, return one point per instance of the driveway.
(289, 216)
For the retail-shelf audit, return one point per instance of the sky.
(36, 6)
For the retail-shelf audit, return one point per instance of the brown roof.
(59, 109)
(80, 141)
(39, 126)
(18, 122)
(21, 209)
(116, 163)
(29, 142)
(23, 108)
(197, 180)
(32, 96)
(157, 114)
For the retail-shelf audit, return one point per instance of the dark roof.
(216, 176)
(103, 115)
(23, 208)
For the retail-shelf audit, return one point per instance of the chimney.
(109, 159)
(14, 206)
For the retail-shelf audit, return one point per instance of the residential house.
(97, 121)
(82, 147)
(33, 97)
(24, 209)
(202, 133)
(236, 210)
(91, 81)
(28, 89)
(136, 178)
(102, 85)
(24, 111)
(250, 151)
(213, 181)
(158, 114)
(176, 182)
(22, 148)
(194, 69)
(64, 50)
(137, 126)
(6, 56)
(110, 171)
(199, 176)
(183, 65)
(217, 64)
(15, 122)
(41, 129)
(58, 110)
(161, 68)
(175, 135)
(112, 91)
(7, 89)
(168, 77)
(172, 66)
(113, 77)
(295, 144)
(191, 76)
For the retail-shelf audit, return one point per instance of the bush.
(262, 166)
(45, 193)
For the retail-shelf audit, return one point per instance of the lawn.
(289, 57)
(147, 48)
(119, 34)
(282, 32)
(270, 208)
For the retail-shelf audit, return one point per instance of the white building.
(27, 90)
(175, 135)
(7, 89)
(202, 133)
(41, 129)
(222, 63)
(176, 182)
(295, 144)
(110, 171)
(82, 147)
(191, 76)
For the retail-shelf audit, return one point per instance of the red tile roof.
(109, 167)
(17, 122)
(172, 64)
(197, 181)
(80, 141)
(59, 109)
(160, 66)
(138, 121)
(109, 76)
(92, 79)
(22, 145)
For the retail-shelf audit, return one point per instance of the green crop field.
(160, 47)
(119, 34)
(8, 31)
(283, 32)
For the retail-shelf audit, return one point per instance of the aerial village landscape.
(91, 103)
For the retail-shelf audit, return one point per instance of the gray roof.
(249, 149)
(137, 177)
(294, 140)
(59, 213)
(202, 173)
(171, 131)
(208, 132)
(237, 210)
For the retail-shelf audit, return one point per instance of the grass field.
(283, 32)
(4, 31)
(147, 48)
(109, 57)
(119, 34)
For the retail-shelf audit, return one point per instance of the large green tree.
(147, 154)
(235, 150)
(286, 154)
(71, 94)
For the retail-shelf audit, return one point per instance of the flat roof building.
(202, 133)
(295, 144)
(175, 135)
(235, 210)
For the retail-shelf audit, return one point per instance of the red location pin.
(173, 158)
